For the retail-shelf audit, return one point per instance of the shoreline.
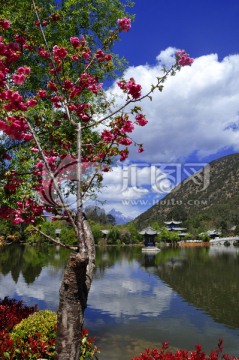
(193, 244)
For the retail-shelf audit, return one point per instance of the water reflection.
(129, 291)
(32, 274)
(208, 279)
(184, 296)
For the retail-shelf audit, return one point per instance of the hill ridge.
(204, 200)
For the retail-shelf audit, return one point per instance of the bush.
(12, 312)
(198, 354)
(26, 333)
(42, 322)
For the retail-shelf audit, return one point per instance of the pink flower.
(39, 165)
(18, 220)
(75, 57)
(107, 136)
(20, 39)
(35, 150)
(108, 57)
(183, 58)
(127, 127)
(134, 89)
(24, 70)
(43, 53)
(27, 137)
(18, 79)
(124, 24)
(124, 155)
(131, 87)
(41, 94)
(37, 23)
(75, 42)
(140, 149)
(52, 86)
(140, 120)
(59, 53)
(5, 24)
(31, 103)
(86, 54)
(125, 141)
(68, 85)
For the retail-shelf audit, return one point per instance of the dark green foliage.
(67, 234)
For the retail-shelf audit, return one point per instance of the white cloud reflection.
(120, 294)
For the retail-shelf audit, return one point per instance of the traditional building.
(175, 226)
(105, 233)
(149, 236)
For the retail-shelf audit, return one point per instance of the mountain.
(119, 217)
(208, 199)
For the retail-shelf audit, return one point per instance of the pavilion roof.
(178, 229)
(148, 231)
(172, 222)
(105, 232)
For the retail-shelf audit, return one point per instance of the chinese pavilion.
(175, 226)
(149, 236)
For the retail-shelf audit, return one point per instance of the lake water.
(183, 296)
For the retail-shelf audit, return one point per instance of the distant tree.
(204, 237)
(96, 214)
(223, 227)
(178, 213)
(114, 235)
(96, 231)
(134, 232)
(125, 236)
(237, 230)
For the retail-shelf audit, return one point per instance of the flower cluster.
(14, 101)
(164, 354)
(140, 120)
(131, 88)
(101, 56)
(13, 182)
(124, 24)
(5, 24)
(24, 212)
(20, 77)
(10, 52)
(15, 127)
(183, 58)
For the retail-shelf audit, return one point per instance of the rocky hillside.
(208, 199)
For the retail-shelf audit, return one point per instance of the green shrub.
(42, 322)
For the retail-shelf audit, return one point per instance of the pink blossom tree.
(60, 131)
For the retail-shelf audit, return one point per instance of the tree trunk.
(74, 291)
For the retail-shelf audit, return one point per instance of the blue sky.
(199, 26)
(196, 118)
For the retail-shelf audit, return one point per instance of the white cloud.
(194, 111)
(128, 188)
(167, 57)
(197, 113)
